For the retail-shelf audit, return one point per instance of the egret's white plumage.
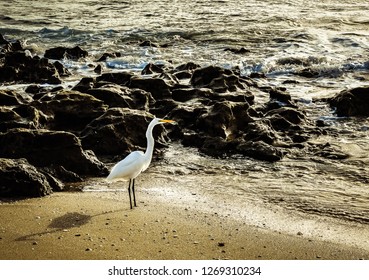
(136, 162)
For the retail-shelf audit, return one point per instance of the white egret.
(136, 162)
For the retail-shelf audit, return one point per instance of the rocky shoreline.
(54, 135)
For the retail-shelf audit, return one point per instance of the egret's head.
(154, 122)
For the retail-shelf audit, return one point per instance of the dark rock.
(65, 53)
(259, 131)
(70, 110)
(3, 41)
(21, 67)
(227, 83)
(327, 151)
(120, 96)
(260, 150)
(187, 94)
(44, 148)
(170, 79)
(191, 138)
(187, 67)
(238, 96)
(148, 44)
(237, 51)
(285, 118)
(224, 119)
(215, 146)
(204, 76)
(279, 123)
(11, 46)
(33, 89)
(105, 56)
(119, 131)
(181, 75)
(152, 68)
(308, 73)
(184, 71)
(353, 102)
(55, 184)
(285, 82)
(119, 78)
(163, 107)
(32, 115)
(278, 98)
(21, 116)
(257, 75)
(218, 79)
(300, 138)
(280, 95)
(85, 84)
(186, 116)
(157, 87)
(294, 61)
(7, 97)
(321, 123)
(7, 114)
(63, 72)
(98, 69)
(20, 179)
(58, 172)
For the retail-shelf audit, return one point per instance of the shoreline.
(100, 225)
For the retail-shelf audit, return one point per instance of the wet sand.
(100, 225)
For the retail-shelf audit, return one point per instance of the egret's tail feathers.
(113, 176)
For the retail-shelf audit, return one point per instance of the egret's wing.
(127, 168)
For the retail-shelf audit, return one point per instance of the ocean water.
(280, 38)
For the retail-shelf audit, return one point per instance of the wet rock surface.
(44, 148)
(353, 102)
(65, 132)
(19, 178)
(19, 65)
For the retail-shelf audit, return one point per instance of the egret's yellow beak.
(166, 121)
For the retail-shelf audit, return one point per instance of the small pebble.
(78, 234)
(88, 249)
(221, 244)
(34, 243)
(300, 233)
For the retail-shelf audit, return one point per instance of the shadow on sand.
(67, 221)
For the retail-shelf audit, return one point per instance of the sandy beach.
(267, 157)
(100, 225)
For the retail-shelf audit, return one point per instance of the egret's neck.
(150, 141)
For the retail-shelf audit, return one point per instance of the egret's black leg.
(129, 193)
(134, 194)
